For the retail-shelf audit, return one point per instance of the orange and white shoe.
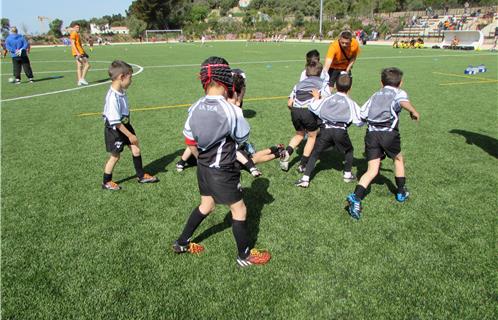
(111, 185)
(147, 178)
(191, 247)
(255, 257)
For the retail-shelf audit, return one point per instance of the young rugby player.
(215, 127)
(381, 112)
(80, 55)
(337, 112)
(303, 120)
(118, 129)
(313, 56)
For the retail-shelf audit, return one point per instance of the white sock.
(305, 178)
(347, 174)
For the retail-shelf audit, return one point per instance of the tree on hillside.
(156, 13)
(5, 27)
(136, 26)
(55, 27)
(84, 24)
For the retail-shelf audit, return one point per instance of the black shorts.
(115, 140)
(379, 144)
(334, 74)
(338, 138)
(304, 120)
(221, 184)
(81, 56)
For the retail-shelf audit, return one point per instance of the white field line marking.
(140, 69)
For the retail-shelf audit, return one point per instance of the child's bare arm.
(408, 107)
(133, 138)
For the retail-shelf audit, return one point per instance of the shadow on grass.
(100, 81)
(255, 197)
(48, 78)
(248, 113)
(486, 143)
(156, 166)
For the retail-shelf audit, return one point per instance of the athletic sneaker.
(180, 165)
(83, 82)
(111, 185)
(191, 247)
(402, 196)
(302, 183)
(301, 168)
(255, 172)
(147, 178)
(17, 81)
(255, 257)
(354, 206)
(31, 80)
(348, 177)
(284, 160)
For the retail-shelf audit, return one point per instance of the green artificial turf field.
(73, 251)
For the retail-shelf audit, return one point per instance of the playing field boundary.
(268, 62)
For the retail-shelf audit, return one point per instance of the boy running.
(337, 112)
(80, 55)
(303, 120)
(118, 129)
(381, 112)
(217, 126)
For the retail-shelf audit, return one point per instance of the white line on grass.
(140, 69)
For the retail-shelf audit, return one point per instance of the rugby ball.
(12, 79)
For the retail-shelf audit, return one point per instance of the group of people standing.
(18, 47)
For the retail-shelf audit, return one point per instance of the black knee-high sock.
(274, 150)
(360, 192)
(239, 229)
(348, 161)
(193, 222)
(290, 150)
(107, 177)
(304, 160)
(137, 163)
(250, 164)
(400, 183)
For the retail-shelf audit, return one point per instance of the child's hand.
(414, 115)
(133, 139)
(315, 93)
(290, 102)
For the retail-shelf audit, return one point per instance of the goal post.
(162, 35)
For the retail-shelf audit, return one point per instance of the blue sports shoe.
(401, 197)
(354, 206)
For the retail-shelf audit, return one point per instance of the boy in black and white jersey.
(313, 56)
(337, 113)
(217, 127)
(118, 130)
(381, 112)
(303, 120)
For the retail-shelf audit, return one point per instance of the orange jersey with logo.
(75, 37)
(339, 60)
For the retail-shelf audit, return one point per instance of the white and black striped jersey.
(382, 109)
(218, 127)
(116, 107)
(337, 111)
(324, 76)
(301, 94)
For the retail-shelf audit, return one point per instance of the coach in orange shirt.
(341, 56)
(82, 64)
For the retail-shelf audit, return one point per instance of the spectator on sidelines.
(18, 47)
